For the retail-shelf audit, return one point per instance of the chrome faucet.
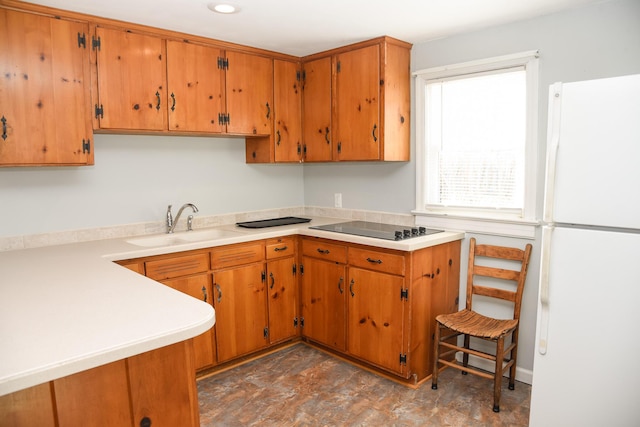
(171, 223)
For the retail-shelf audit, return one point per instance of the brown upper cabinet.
(67, 75)
(191, 88)
(44, 107)
(317, 110)
(131, 81)
(369, 105)
(287, 98)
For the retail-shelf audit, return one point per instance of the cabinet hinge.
(301, 270)
(298, 76)
(295, 268)
(95, 43)
(404, 294)
(264, 276)
(99, 111)
(86, 146)
(403, 359)
(223, 63)
(339, 147)
(265, 333)
(302, 322)
(295, 322)
(223, 119)
(338, 67)
(82, 40)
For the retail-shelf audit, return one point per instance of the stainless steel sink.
(181, 238)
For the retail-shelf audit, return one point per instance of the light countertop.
(68, 308)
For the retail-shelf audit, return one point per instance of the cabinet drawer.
(245, 253)
(280, 247)
(378, 261)
(179, 266)
(324, 250)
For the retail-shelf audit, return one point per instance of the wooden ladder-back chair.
(472, 324)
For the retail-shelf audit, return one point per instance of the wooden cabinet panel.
(287, 102)
(45, 98)
(243, 253)
(199, 287)
(395, 114)
(30, 407)
(324, 250)
(376, 318)
(131, 81)
(283, 299)
(317, 110)
(434, 290)
(177, 266)
(97, 397)
(196, 87)
(249, 93)
(241, 310)
(163, 387)
(357, 104)
(377, 260)
(323, 292)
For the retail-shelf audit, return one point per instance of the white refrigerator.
(587, 363)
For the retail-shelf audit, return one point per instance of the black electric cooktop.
(376, 230)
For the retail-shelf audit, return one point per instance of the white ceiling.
(302, 27)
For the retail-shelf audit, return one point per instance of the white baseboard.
(522, 375)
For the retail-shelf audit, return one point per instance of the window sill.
(520, 228)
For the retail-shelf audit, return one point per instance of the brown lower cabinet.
(155, 388)
(373, 305)
(376, 305)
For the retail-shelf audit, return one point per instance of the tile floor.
(302, 386)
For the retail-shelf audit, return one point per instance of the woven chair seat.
(475, 324)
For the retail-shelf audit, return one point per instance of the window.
(476, 130)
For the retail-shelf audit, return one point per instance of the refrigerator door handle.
(543, 327)
(553, 141)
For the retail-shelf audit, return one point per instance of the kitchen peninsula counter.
(69, 308)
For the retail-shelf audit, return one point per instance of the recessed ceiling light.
(222, 8)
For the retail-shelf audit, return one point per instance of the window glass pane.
(476, 134)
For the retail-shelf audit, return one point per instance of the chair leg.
(436, 356)
(514, 357)
(465, 356)
(497, 380)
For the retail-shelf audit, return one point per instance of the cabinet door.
(131, 81)
(196, 95)
(44, 91)
(376, 318)
(241, 310)
(323, 302)
(357, 104)
(249, 92)
(316, 107)
(198, 287)
(287, 96)
(281, 280)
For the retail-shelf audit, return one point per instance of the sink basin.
(199, 235)
(181, 238)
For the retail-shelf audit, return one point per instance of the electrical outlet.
(337, 200)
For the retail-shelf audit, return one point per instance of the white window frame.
(468, 219)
